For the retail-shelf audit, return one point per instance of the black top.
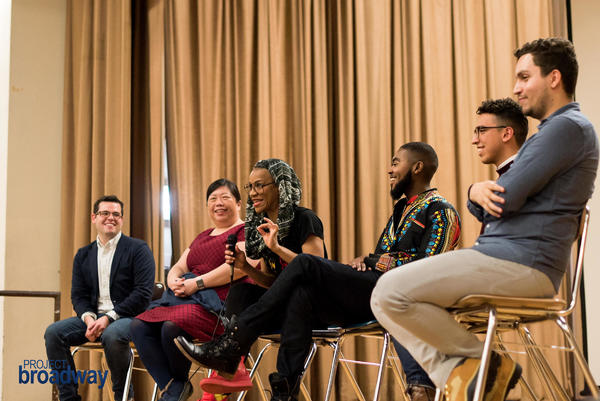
(305, 224)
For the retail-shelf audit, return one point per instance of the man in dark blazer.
(112, 282)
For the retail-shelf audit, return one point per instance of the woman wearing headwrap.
(276, 230)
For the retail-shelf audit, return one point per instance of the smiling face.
(267, 200)
(223, 208)
(532, 88)
(400, 174)
(488, 142)
(108, 227)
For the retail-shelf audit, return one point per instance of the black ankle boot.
(282, 389)
(222, 354)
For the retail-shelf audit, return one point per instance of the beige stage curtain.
(105, 151)
(333, 87)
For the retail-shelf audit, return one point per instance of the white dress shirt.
(106, 254)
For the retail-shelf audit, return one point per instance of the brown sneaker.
(461, 383)
(421, 393)
(507, 374)
(503, 375)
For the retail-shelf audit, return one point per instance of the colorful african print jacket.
(428, 225)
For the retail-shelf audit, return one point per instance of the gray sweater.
(546, 188)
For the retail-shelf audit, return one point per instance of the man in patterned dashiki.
(316, 292)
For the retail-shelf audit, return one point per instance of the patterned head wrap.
(290, 192)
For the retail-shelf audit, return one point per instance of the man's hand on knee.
(95, 329)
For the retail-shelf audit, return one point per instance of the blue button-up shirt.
(546, 188)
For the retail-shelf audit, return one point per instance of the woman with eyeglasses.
(276, 230)
(198, 283)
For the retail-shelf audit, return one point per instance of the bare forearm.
(259, 277)
(220, 276)
(285, 254)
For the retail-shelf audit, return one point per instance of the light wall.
(4, 85)
(585, 17)
(33, 185)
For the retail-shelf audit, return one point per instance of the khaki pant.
(411, 301)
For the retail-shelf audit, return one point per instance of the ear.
(93, 218)
(555, 78)
(417, 168)
(508, 134)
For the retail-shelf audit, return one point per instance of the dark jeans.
(311, 292)
(61, 335)
(415, 375)
(158, 352)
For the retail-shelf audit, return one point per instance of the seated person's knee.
(386, 298)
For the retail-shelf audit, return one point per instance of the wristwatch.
(200, 283)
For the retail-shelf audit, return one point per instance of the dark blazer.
(131, 278)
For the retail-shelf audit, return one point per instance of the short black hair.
(224, 182)
(424, 153)
(509, 113)
(108, 198)
(554, 54)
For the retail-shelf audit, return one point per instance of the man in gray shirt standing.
(531, 217)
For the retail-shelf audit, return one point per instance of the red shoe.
(219, 385)
(214, 397)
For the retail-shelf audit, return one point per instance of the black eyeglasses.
(258, 187)
(481, 129)
(106, 213)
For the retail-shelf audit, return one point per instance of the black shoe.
(282, 389)
(223, 354)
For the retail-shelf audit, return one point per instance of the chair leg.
(398, 372)
(129, 373)
(336, 345)
(485, 357)
(253, 370)
(552, 385)
(154, 392)
(384, 353)
(309, 359)
(524, 384)
(303, 389)
(351, 377)
(587, 374)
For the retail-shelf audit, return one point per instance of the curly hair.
(509, 113)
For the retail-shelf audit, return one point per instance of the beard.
(401, 186)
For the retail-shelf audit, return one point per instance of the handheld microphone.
(231, 241)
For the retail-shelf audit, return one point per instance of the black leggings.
(154, 343)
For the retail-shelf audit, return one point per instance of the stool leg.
(129, 372)
(485, 357)
(334, 364)
(384, 352)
